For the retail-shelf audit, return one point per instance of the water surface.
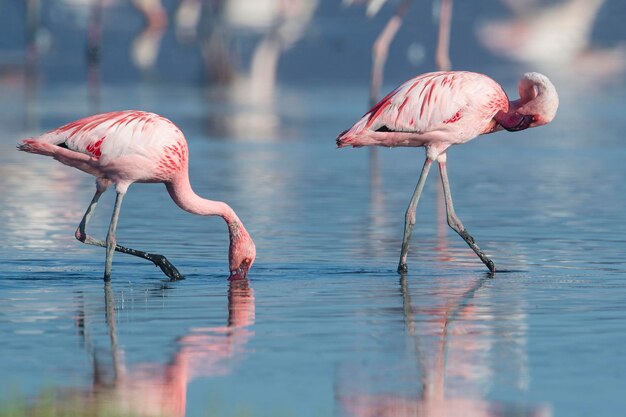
(324, 326)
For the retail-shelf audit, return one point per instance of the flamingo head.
(242, 252)
(538, 98)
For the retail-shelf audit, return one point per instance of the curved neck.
(183, 195)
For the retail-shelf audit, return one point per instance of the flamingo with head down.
(125, 147)
(440, 109)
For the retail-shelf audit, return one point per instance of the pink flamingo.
(440, 109)
(134, 146)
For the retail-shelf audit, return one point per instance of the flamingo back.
(108, 137)
(452, 106)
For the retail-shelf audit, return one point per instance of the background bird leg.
(81, 234)
(442, 56)
(380, 49)
(455, 223)
(409, 220)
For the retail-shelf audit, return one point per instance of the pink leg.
(455, 223)
(380, 49)
(81, 234)
(84, 163)
(409, 220)
(442, 57)
(111, 239)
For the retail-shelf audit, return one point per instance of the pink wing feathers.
(115, 134)
(126, 145)
(428, 104)
(419, 104)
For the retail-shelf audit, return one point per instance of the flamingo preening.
(440, 109)
(134, 146)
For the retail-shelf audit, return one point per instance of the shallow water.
(325, 326)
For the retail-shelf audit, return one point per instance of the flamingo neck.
(183, 195)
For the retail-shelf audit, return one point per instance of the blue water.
(324, 326)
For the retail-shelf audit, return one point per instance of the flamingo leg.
(111, 239)
(455, 223)
(81, 234)
(380, 49)
(409, 220)
(442, 56)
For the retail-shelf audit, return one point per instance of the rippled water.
(324, 326)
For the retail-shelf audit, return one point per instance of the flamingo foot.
(403, 268)
(489, 263)
(167, 268)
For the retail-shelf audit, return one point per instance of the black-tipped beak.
(238, 275)
(524, 123)
(514, 122)
(241, 272)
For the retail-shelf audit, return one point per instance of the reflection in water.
(556, 39)
(453, 340)
(36, 198)
(151, 389)
(377, 214)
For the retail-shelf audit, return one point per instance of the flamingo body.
(124, 146)
(441, 109)
(134, 146)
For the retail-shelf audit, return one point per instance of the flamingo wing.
(426, 103)
(111, 134)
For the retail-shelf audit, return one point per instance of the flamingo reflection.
(150, 389)
(452, 344)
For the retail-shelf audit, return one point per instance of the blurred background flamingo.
(556, 38)
(380, 48)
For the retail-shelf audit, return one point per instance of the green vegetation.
(48, 404)
(78, 404)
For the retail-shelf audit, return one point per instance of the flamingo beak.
(514, 122)
(241, 272)
(524, 123)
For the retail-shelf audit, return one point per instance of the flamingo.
(131, 146)
(440, 109)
